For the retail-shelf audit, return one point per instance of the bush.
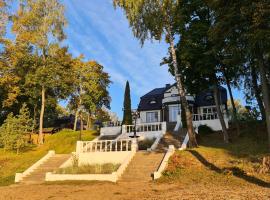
(145, 144)
(14, 130)
(205, 130)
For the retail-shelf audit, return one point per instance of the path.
(38, 175)
(142, 166)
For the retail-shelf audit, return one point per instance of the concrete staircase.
(142, 166)
(38, 175)
(172, 138)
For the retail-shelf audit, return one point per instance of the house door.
(173, 113)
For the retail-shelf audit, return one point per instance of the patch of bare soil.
(133, 190)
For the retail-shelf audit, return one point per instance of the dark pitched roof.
(206, 97)
(155, 92)
(152, 100)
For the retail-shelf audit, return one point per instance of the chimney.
(167, 85)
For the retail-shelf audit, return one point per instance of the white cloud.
(100, 32)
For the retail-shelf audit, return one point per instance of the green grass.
(62, 142)
(233, 164)
(106, 168)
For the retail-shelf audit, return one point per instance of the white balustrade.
(104, 146)
(145, 127)
(112, 124)
(206, 116)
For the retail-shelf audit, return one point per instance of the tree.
(15, 129)
(153, 19)
(248, 21)
(40, 23)
(90, 88)
(203, 73)
(127, 117)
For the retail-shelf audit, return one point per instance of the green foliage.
(127, 117)
(145, 144)
(205, 130)
(15, 129)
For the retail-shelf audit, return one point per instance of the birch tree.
(40, 24)
(155, 19)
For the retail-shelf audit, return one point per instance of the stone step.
(38, 175)
(142, 166)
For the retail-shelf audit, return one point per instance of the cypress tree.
(127, 118)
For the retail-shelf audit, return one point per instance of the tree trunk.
(235, 118)
(40, 136)
(76, 120)
(81, 127)
(220, 114)
(266, 98)
(257, 92)
(182, 93)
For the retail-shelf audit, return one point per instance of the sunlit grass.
(216, 162)
(63, 142)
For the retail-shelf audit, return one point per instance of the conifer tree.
(13, 132)
(127, 117)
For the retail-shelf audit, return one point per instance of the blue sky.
(102, 33)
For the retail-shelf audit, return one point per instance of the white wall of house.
(172, 95)
(110, 131)
(213, 124)
(144, 116)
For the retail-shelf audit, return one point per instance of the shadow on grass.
(234, 170)
(246, 146)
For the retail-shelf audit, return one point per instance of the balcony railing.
(112, 124)
(145, 127)
(208, 116)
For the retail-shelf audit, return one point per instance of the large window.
(174, 111)
(151, 117)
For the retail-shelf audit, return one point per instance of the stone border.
(93, 177)
(157, 174)
(81, 177)
(20, 176)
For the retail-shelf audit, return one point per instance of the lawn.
(229, 165)
(62, 142)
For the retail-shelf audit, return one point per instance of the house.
(163, 105)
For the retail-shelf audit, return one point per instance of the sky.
(102, 33)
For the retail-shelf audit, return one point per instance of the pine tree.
(14, 130)
(127, 118)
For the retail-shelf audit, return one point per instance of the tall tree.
(154, 19)
(90, 88)
(40, 23)
(127, 117)
(249, 21)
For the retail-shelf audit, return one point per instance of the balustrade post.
(79, 147)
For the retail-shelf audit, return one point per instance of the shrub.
(205, 130)
(145, 144)
(14, 130)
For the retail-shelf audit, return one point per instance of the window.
(174, 111)
(153, 102)
(151, 117)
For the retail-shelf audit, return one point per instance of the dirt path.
(132, 191)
